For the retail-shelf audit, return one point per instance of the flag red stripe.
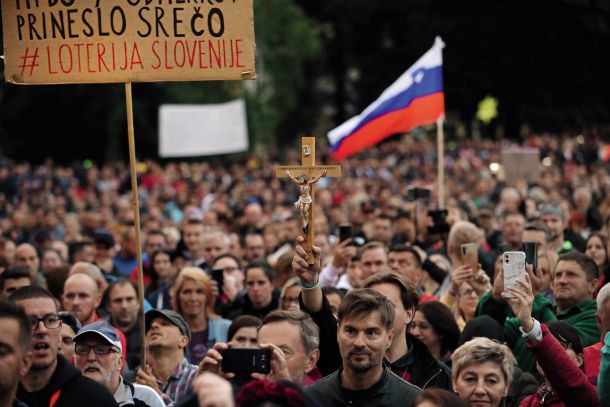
(423, 110)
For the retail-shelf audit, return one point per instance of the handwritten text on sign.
(101, 41)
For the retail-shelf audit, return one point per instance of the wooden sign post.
(123, 42)
(305, 176)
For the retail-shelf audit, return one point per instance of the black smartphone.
(404, 214)
(218, 276)
(439, 217)
(345, 231)
(414, 194)
(531, 254)
(246, 361)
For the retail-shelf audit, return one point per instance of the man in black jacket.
(407, 356)
(260, 298)
(51, 380)
(366, 329)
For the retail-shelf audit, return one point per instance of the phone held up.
(513, 266)
(531, 254)
(470, 255)
(218, 276)
(246, 361)
(345, 231)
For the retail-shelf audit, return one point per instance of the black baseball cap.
(171, 316)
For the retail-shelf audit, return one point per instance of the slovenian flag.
(415, 98)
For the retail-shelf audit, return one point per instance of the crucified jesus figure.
(304, 202)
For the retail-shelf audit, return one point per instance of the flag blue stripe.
(432, 82)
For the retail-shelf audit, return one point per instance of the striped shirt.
(179, 382)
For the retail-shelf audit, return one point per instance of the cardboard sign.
(106, 41)
(521, 164)
(197, 130)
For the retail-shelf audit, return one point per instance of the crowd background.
(236, 217)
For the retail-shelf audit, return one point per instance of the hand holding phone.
(513, 266)
(246, 361)
(345, 231)
(470, 256)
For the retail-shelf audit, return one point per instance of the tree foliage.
(321, 61)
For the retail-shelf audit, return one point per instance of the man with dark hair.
(170, 374)
(51, 380)
(14, 278)
(123, 307)
(575, 280)
(81, 251)
(254, 246)
(260, 297)
(105, 250)
(555, 219)
(406, 355)
(15, 358)
(26, 256)
(536, 232)
(512, 230)
(69, 327)
(383, 229)
(193, 234)
(373, 258)
(365, 332)
(407, 261)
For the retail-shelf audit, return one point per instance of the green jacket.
(581, 316)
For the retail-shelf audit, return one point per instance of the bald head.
(26, 255)
(81, 297)
(92, 271)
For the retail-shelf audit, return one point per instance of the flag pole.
(136, 217)
(440, 148)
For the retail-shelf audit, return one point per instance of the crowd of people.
(400, 302)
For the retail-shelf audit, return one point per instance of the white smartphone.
(513, 266)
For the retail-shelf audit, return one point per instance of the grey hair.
(310, 333)
(481, 350)
(603, 296)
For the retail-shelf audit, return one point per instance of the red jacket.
(570, 384)
(593, 357)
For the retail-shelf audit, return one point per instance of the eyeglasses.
(290, 300)
(467, 292)
(84, 350)
(421, 325)
(50, 321)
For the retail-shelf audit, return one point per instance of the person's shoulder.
(220, 322)
(321, 384)
(402, 385)
(96, 393)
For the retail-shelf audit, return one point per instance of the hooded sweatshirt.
(74, 390)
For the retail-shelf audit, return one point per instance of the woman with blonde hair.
(193, 298)
(289, 296)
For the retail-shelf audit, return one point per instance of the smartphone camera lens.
(506, 258)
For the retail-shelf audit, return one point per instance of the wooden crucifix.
(305, 176)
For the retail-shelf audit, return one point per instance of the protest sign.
(95, 41)
(521, 164)
(197, 130)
